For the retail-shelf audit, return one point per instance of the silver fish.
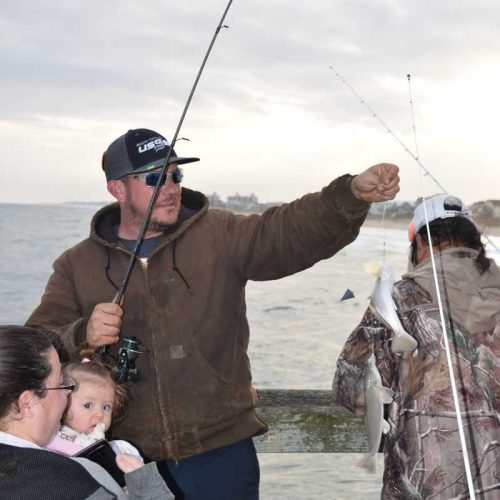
(376, 395)
(383, 306)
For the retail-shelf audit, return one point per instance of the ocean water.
(298, 327)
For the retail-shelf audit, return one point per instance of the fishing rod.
(376, 116)
(454, 392)
(408, 76)
(154, 195)
(460, 425)
(405, 147)
(140, 237)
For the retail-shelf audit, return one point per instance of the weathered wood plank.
(306, 421)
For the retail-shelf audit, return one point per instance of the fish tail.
(369, 463)
(403, 343)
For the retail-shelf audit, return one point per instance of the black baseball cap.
(138, 151)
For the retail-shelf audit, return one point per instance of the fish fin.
(386, 394)
(403, 343)
(386, 427)
(373, 267)
(372, 308)
(348, 294)
(369, 463)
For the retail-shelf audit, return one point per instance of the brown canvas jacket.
(195, 394)
(422, 452)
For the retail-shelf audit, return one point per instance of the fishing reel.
(128, 352)
(124, 365)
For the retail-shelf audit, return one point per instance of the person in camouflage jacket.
(422, 451)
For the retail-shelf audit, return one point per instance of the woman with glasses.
(33, 397)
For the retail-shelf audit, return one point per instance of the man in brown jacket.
(193, 408)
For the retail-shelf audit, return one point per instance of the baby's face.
(91, 404)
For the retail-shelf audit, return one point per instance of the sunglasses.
(151, 178)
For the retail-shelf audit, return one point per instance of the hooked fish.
(383, 306)
(376, 395)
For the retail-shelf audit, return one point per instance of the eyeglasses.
(151, 178)
(67, 384)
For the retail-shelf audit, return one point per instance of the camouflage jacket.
(422, 451)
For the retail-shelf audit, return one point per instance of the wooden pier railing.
(307, 421)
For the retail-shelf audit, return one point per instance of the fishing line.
(413, 118)
(456, 403)
(376, 116)
(434, 270)
(414, 156)
(382, 230)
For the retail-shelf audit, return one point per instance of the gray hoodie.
(472, 298)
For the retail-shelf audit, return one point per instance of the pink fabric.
(63, 446)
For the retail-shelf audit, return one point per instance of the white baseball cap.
(436, 208)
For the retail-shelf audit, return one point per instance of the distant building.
(486, 212)
(215, 201)
(240, 203)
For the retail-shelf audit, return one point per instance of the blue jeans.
(228, 473)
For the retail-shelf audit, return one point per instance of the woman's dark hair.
(24, 363)
(457, 231)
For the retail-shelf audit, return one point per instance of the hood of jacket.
(470, 298)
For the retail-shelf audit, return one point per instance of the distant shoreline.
(401, 224)
(372, 221)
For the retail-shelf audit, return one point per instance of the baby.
(96, 402)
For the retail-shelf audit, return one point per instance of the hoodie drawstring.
(174, 267)
(177, 270)
(108, 266)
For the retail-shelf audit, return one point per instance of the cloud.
(77, 74)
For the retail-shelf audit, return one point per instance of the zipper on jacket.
(161, 402)
(163, 412)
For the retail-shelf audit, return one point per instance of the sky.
(270, 116)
